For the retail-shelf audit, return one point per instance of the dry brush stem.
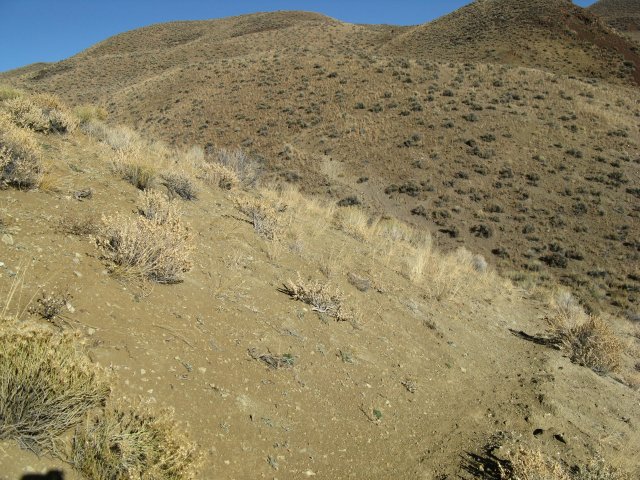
(122, 443)
(46, 385)
(42, 113)
(322, 298)
(20, 162)
(263, 215)
(533, 465)
(155, 245)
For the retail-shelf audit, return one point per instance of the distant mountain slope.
(624, 15)
(135, 56)
(554, 35)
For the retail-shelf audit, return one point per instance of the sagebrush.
(20, 159)
(155, 245)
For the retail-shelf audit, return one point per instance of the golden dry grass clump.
(155, 245)
(124, 444)
(219, 175)
(87, 113)
(43, 113)
(263, 215)
(7, 92)
(134, 166)
(589, 340)
(533, 465)
(47, 385)
(527, 464)
(20, 162)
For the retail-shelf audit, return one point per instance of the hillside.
(334, 250)
(292, 338)
(554, 35)
(623, 15)
(537, 171)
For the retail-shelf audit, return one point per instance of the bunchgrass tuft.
(121, 443)
(589, 340)
(47, 385)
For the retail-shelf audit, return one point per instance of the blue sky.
(51, 30)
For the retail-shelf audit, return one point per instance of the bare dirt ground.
(415, 388)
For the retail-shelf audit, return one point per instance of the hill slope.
(537, 171)
(553, 35)
(624, 15)
(435, 367)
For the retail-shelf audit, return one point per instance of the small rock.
(7, 239)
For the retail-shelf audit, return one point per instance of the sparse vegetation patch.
(589, 340)
(321, 296)
(155, 245)
(20, 162)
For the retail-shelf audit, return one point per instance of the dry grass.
(156, 207)
(42, 113)
(179, 184)
(119, 138)
(245, 168)
(7, 92)
(20, 162)
(263, 215)
(533, 465)
(355, 222)
(589, 340)
(527, 464)
(447, 275)
(321, 296)
(219, 175)
(89, 113)
(134, 166)
(598, 469)
(155, 245)
(122, 443)
(46, 385)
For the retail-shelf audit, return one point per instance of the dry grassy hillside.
(537, 171)
(553, 35)
(623, 15)
(292, 338)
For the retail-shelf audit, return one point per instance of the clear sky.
(51, 30)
